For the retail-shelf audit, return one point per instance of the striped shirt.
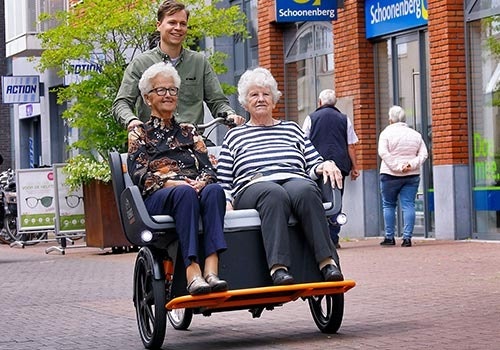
(265, 153)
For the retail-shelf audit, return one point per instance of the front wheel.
(327, 312)
(149, 301)
(180, 318)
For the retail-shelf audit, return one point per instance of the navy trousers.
(187, 207)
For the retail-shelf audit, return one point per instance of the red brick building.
(433, 65)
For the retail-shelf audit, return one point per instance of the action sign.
(21, 89)
(305, 10)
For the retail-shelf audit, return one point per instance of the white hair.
(164, 69)
(397, 114)
(328, 97)
(257, 77)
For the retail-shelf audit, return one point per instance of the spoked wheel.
(10, 225)
(4, 237)
(180, 319)
(327, 311)
(149, 301)
(28, 238)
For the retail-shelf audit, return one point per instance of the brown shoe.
(215, 283)
(197, 286)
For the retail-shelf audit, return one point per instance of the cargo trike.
(159, 292)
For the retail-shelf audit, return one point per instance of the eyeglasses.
(73, 200)
(32, 202)
(162, 91)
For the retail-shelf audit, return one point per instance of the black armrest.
(330, 195)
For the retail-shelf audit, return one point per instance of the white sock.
(277, 267)
(327, 261)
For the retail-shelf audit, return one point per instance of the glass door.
(403, 80)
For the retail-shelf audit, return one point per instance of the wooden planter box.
(102, 224)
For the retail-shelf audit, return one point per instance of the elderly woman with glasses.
(168, 161)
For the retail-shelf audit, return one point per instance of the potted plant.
(108, 34)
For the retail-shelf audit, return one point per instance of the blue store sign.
(305, 10)
(388, 16)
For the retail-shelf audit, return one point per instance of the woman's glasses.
(162, 91)
(32, 202)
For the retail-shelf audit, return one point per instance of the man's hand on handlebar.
(133, 124)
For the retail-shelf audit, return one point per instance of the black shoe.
(388, 241)
(331, 273)
(281, 277)
(406, 242)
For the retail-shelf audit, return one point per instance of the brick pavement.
(437, 294)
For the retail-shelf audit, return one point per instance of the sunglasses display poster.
(35, 193)
(70, 215)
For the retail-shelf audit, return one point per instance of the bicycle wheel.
(10, 225)
(180, 319)
(149, 301)
(327, 312)
(4, 237)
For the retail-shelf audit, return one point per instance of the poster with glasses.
(35, 191)
(70, 216)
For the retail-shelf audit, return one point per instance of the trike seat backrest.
(135, 219)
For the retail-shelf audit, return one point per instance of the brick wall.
(448, 82)
(355, 77)
(5, 127)
(271, 50)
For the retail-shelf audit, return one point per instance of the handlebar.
(222, 118)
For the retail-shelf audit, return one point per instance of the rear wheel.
(10, 225)
(180, 318)
(327, 312)
(149, 301)
(5, 237)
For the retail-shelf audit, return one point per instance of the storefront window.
(308, 67)
(484, 36)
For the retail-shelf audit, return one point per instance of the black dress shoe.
(281, 277)
(406, 242)
(388, 241)
(331, 273)
(215, 283)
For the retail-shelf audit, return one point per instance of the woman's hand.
(197, 185)
(331, 172)
(237, 119)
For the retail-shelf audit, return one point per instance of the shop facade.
(432, 58)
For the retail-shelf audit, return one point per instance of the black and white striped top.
(265, 153)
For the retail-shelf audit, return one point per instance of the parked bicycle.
(8, 204)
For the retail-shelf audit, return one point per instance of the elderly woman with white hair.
(169, 162)
(269, 165)
(402, 151)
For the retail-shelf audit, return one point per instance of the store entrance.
(403, 80)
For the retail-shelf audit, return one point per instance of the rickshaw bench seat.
(135, 217)
(242, 233)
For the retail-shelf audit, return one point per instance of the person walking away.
(332, 134)
(403, 152)
(199, 83)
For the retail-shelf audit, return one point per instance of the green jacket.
(199, 84)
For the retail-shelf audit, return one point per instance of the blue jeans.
(404, 187)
